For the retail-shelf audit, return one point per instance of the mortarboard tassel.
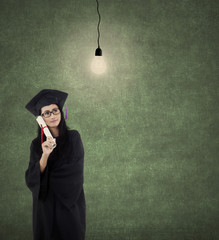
(66, 113)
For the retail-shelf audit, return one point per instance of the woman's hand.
(47, 149)
(47, 146)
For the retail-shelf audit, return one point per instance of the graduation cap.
(44, 98)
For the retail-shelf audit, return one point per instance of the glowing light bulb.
(98, 65)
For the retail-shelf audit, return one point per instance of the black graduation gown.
(58, 195)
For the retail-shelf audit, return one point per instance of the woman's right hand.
(47, 146)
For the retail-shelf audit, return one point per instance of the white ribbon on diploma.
(46, 131)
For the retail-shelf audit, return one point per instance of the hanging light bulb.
(98, 64)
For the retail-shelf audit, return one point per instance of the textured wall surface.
(149, 124)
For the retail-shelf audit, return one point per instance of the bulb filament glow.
(98, 65)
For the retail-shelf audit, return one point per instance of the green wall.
(149, 124)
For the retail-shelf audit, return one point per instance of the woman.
(55, 175)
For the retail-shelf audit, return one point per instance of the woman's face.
(54, 119)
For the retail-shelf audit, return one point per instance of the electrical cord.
(98, 26)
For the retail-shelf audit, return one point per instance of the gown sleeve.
(36, 181)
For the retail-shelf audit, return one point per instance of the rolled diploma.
(45, 128)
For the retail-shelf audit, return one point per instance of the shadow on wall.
(13, 232)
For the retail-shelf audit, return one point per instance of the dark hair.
(63, 131)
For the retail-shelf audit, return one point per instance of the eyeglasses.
(47, 113)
